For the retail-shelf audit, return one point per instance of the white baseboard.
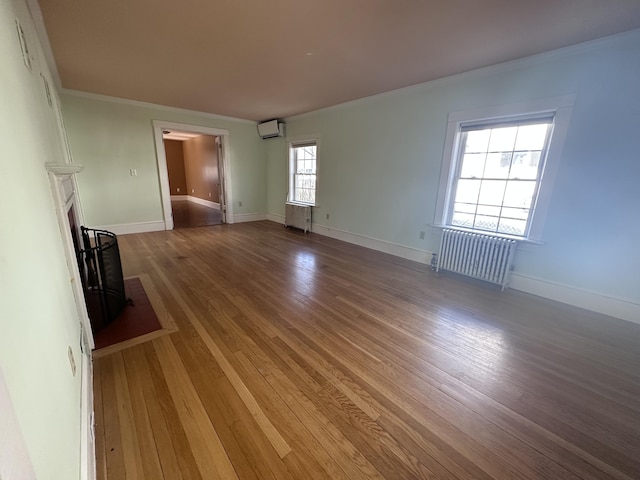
(139, 227)
(272, 217)
(421, 256)
(199, 201)
(247, 217)
(410, 253)
(204, 203)
(589, 300)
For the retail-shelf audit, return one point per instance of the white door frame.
(163, 172)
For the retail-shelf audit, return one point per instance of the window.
(497, 176)
(303, 160)
(499, 170)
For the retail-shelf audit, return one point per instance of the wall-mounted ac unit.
(271, 129)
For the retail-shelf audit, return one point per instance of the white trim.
(138, 227)
(179, 198)
(587, 299)
(561, 107)
(41, 32)
(155, 106)
(247, 217)
(163, 172)
(63, 168)
(87, 429)
(274, 217)
(291, 142)
(59, 176)
(410, 253)
(204, 203)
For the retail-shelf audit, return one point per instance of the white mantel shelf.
(63, 168)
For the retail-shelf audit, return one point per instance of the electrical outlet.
(422, 235)
(133, 172)
(72, 361)
(193, 190)
(178, 189)
(209, 194)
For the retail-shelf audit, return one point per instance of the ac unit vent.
(271, 129)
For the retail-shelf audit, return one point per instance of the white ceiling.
(257, 59)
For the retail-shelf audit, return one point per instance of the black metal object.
(102, 279)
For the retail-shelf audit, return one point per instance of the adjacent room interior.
(325, 239)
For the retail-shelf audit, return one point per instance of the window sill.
(523, 240)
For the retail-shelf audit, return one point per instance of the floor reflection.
(305, 272)
(467, 335)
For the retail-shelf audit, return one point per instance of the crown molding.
(155, 106)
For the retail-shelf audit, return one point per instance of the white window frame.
(291, 144)
(559, 107)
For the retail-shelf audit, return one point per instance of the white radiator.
(477, 255)
(298, 216)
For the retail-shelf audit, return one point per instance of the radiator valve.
(434, 262)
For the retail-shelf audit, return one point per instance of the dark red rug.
(134, 321)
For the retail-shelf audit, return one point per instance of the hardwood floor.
(189, 214)
(302, 357)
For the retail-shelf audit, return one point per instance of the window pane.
(525, 165)
(465, 208)
(467, 191)
(462, 220)
(486, 223)
(311, 166)
(305, 181)
(497, 165)
(472, 165)
(512, 227)
(516, 213)
(519, 194)
(531, 137)
(502, 139)
(488, 210)
(300, 166)
(492, 192)
(477, 141)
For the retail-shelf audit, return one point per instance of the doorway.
(193, 165)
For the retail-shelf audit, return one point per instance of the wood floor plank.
(112, 422)
(128, 431)
(165, 415)
(149, 458)
(298, 356)
(208, 450)
(98, 409)
(154, 420)
(267, 427)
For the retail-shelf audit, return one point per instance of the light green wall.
(109, 139)
(38, 319)
(381, 157)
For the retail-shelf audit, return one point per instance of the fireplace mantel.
(63, 168)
